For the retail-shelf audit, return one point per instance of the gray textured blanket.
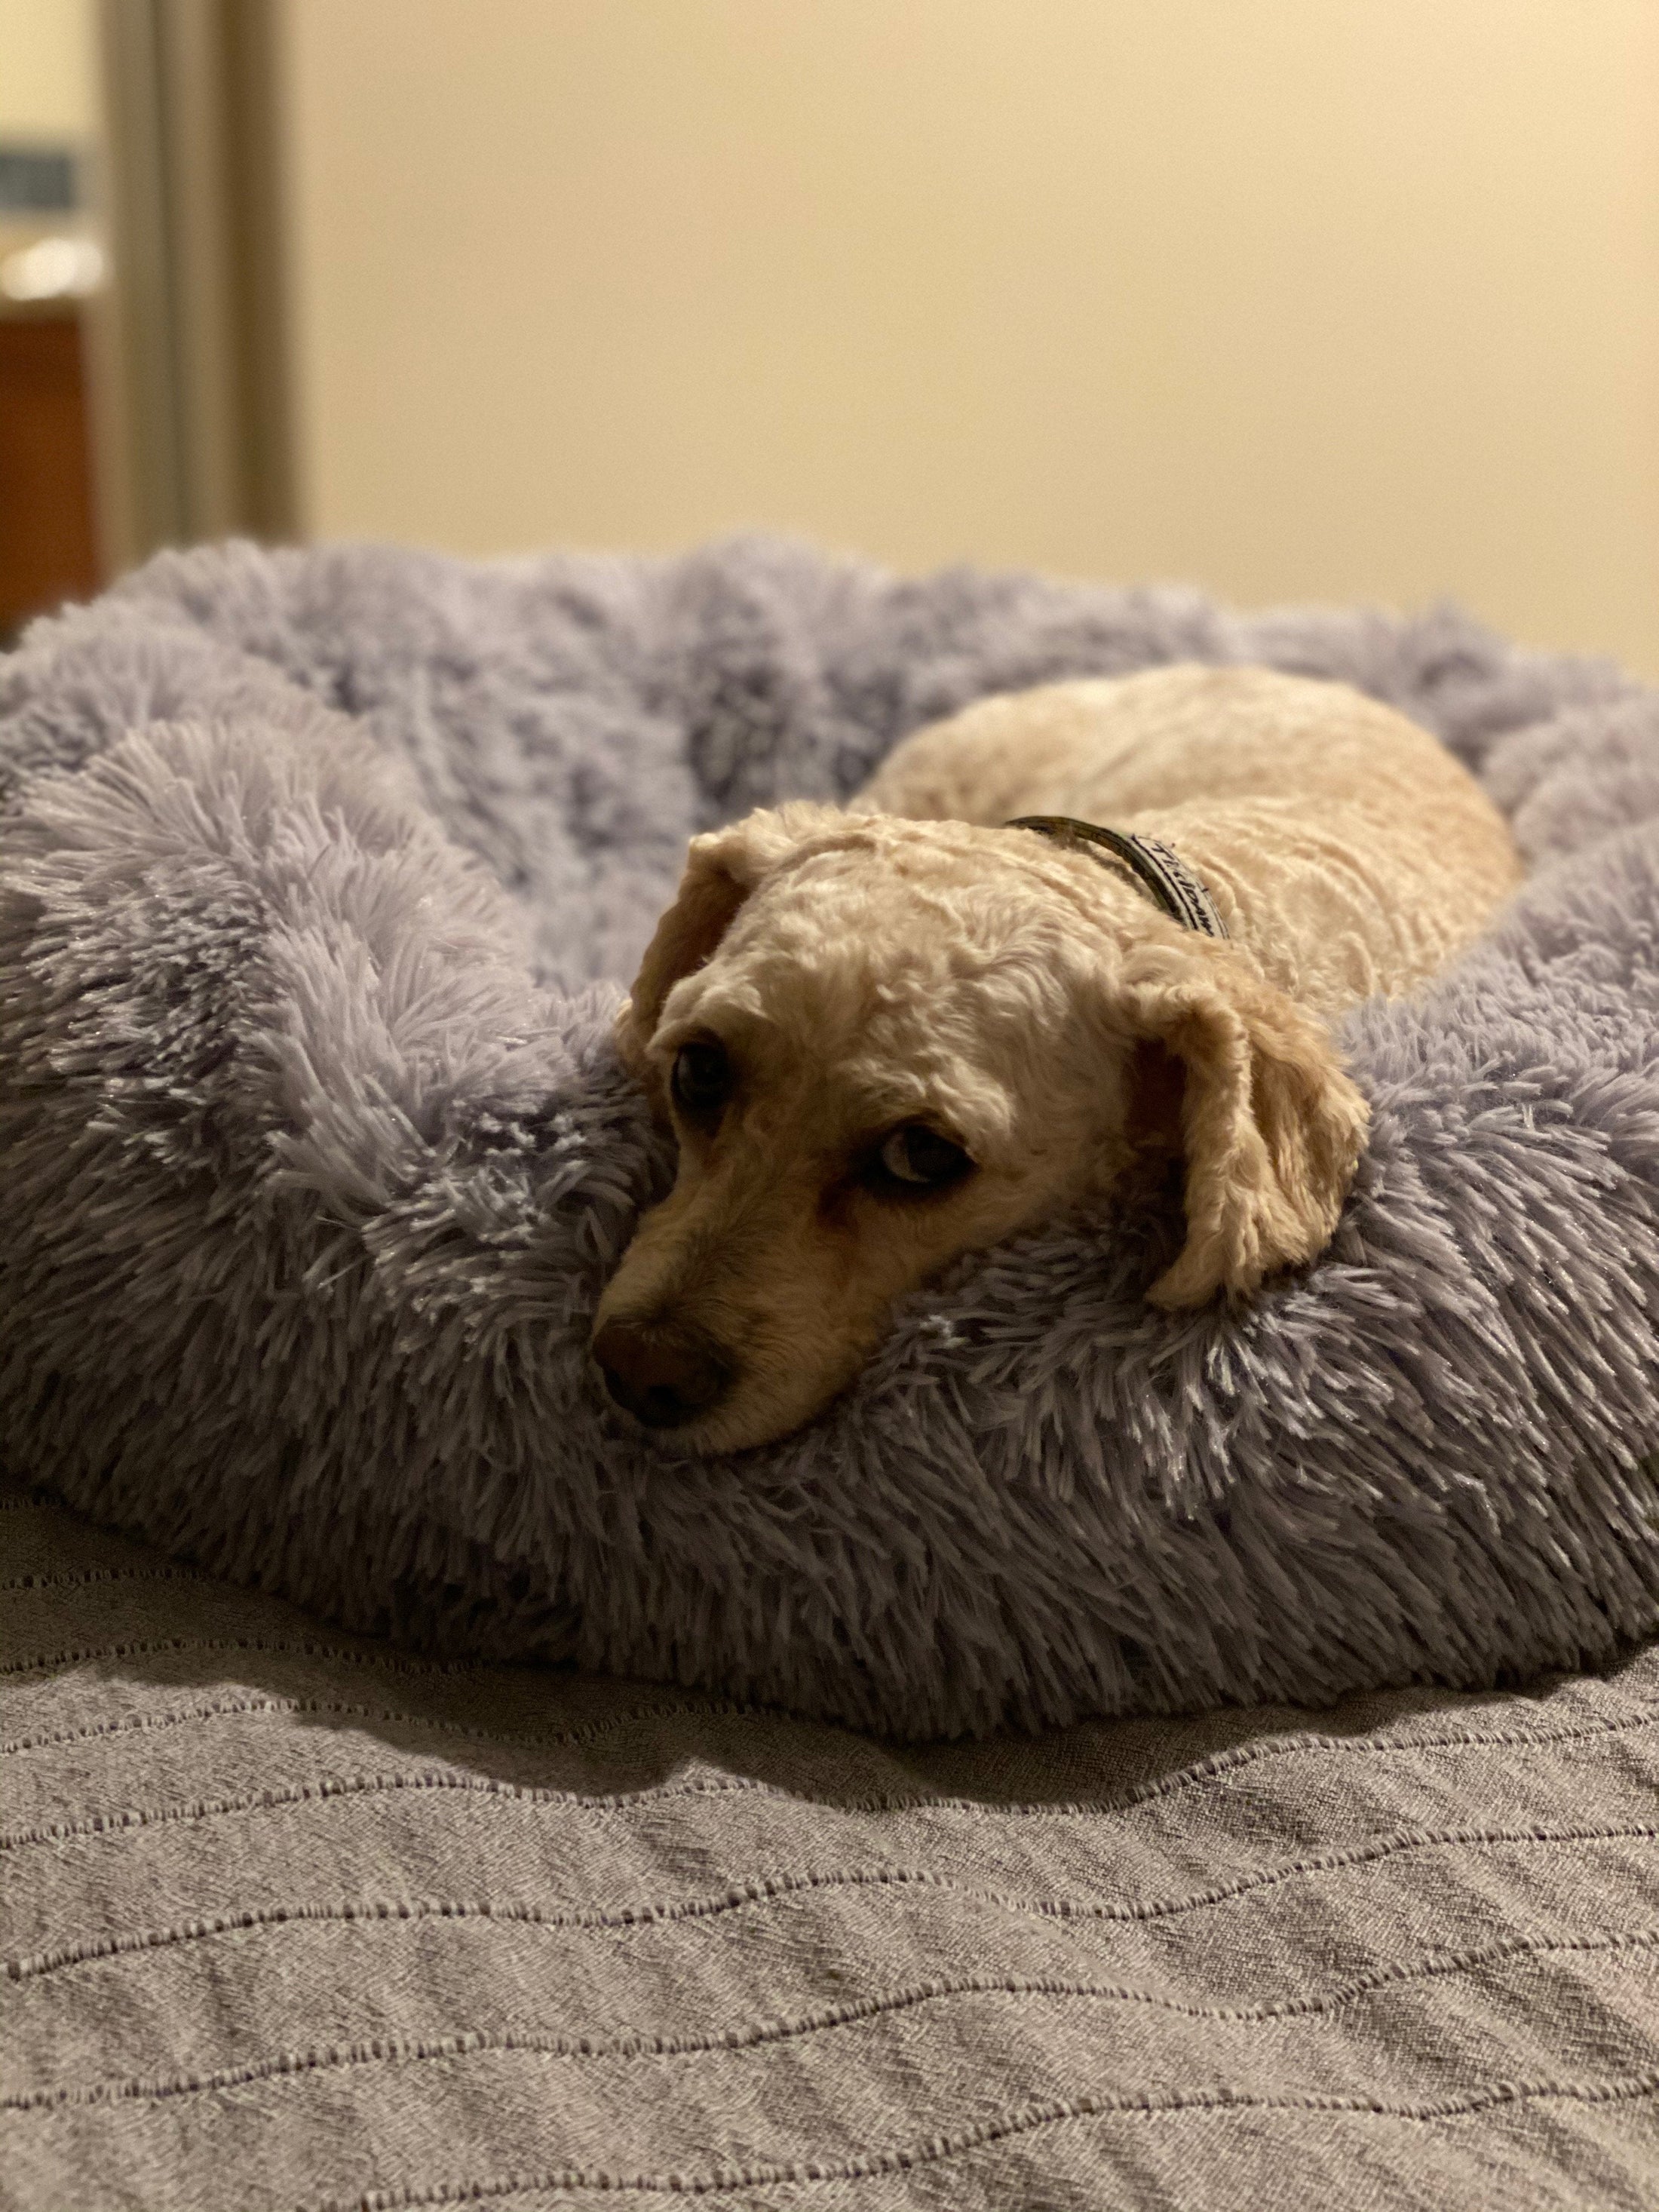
(317, 1152)
(296, 1921)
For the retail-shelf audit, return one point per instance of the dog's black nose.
(663, 1375)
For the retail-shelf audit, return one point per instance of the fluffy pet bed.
(321, 876)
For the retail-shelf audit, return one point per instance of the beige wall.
(45, 68)
(1328, 299)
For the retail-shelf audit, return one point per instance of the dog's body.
(1346, 850)
(889, 1036)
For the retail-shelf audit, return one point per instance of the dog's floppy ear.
(1271, 1128)
(721, 869)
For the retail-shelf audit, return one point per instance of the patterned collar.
(1172, 884)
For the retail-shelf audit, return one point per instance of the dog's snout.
(663, 1375)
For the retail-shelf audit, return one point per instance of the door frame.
(190, 357)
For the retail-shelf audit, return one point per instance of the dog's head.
(884, 1042)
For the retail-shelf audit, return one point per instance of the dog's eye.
(915, 1157)
(702, 1081)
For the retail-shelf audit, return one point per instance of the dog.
(1058, 939)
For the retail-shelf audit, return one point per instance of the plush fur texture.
(850, 980)
(316, 1154)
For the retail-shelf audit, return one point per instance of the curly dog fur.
(913, 965)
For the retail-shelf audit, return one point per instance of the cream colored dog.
(889, 1036)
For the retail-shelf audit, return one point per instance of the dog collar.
(1173, 885)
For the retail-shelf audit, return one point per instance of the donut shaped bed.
(322, 875)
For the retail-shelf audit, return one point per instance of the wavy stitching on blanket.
(398, 2050)
(94, 1656)
(773, 1888)
(934, 2150)
(278, 1708)
(85, 1577)
(1217, 1766)
(411, 1781)
(333, 1788)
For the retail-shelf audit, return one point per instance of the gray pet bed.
(321, 875)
